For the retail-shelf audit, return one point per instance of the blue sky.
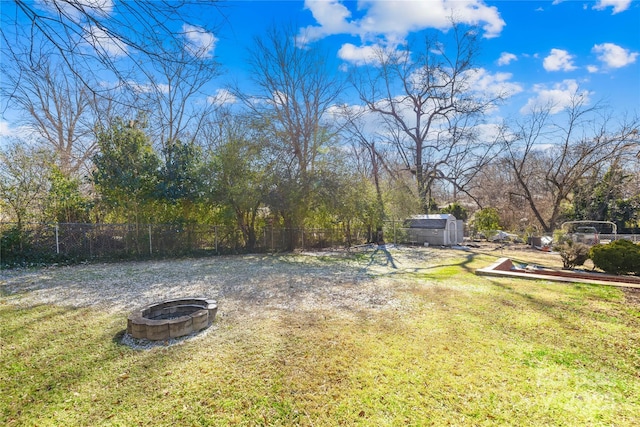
(540, 50)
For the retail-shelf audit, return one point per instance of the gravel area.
(293, 282)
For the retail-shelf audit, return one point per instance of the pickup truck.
(586, 235)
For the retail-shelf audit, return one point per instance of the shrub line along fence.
(46, 243)
(37, 243)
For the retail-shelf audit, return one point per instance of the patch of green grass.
(446, 272)
(464, 350)
(633, 312)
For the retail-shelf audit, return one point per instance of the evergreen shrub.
(617, 257)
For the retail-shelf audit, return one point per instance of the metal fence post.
(57, 241)
(215, 236)
(150, 245)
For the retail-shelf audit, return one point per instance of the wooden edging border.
(502, 268)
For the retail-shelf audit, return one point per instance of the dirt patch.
(256, 285)
(632, 296)
(249, 285)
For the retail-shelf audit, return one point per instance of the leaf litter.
(243, 284)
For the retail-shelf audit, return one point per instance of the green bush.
(19, 248)
(486, 221)
(617, 257)
(11, 242)
(573, 254)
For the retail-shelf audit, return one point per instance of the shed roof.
(428, 223)
(434, 216)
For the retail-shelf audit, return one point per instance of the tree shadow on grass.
(462, 263)
(381, 256)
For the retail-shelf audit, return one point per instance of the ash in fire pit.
(172, 319)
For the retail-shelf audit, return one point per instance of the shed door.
(451, 235)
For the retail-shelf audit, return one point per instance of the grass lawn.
(405, 337)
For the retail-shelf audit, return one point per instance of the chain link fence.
(48, 243)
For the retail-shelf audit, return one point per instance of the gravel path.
(296, 282)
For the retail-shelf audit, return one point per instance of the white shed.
(434, 229)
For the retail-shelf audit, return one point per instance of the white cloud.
(148, 87)
(98, 7)
(617, 5)
(278, 98)
(103, 42)
(333, 19)
(199, 42)
(222, 97)
(559, 60)
(506, 58)
(77, 9)
(360, 55)
(89, 16)
(481, 80)
(401, 17)
(592, 68)
(556, 98)
(489, 131)
(5, 129)
(10, 130)
(613, 55)
(393, 20)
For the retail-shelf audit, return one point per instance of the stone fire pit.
(172, 318)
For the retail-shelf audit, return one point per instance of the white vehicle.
(503, 236)
(587, 235)
(583, 231)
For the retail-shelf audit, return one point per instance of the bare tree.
(295, 89)
(465, 166)
(55, 107)
(66, 63)
(174, 99)
(367, 150)
(548, 156)
(105, 36)
(428, 104)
